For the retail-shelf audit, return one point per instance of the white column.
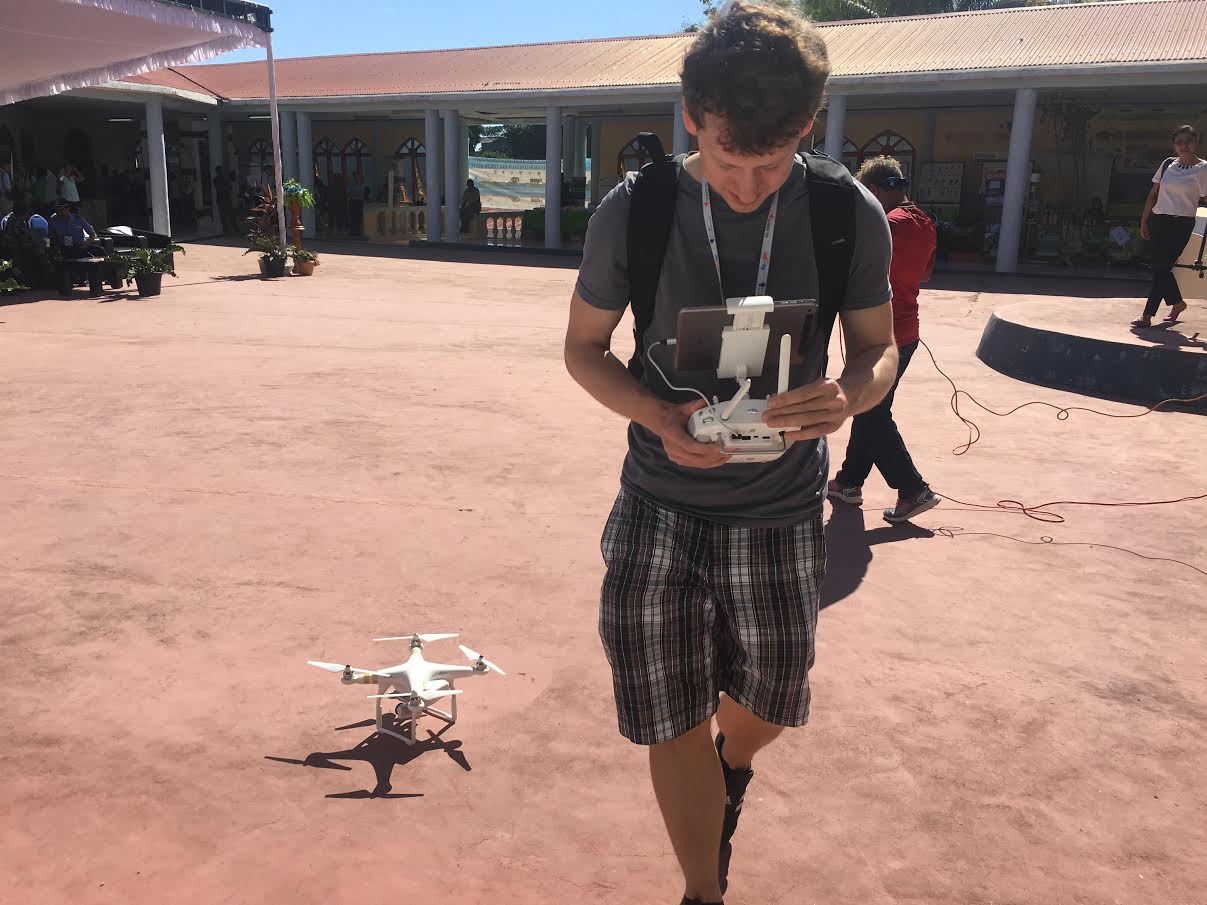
(431, 144)
(452, 171)
(553, 177)
(275, 113)
(596, 158)
(306, 166)
(567, 145)
(463, 160)
(1018, 176)
(682, 141)
(157, 160)
(213, 122)
(836, 124)
(289, 146)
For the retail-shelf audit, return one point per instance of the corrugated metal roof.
(1071, 35)
(1132, 31)
(170, 78)
(533, 67)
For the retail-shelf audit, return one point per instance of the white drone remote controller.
(737, 426)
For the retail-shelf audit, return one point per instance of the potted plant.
(263, 235)
(273, 255)
(7, 283)
(297, 196)
(304, 261)
(145, 267)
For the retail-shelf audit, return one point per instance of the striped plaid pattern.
(691, 608)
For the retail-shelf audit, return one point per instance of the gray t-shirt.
(762, 494)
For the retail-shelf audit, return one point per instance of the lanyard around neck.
(760, 286)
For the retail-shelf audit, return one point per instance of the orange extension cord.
(1040, 512)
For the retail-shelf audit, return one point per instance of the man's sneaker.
(852, 496)
(907, 508)
(736, 782)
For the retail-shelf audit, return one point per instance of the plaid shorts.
(691, 608)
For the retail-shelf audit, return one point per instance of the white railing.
(502, 228)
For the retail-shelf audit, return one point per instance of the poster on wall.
(940, 183)
(993, 183)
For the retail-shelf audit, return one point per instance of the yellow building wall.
(616, 132)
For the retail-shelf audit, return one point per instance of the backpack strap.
(1165, 166)
(651, 213)
(831, 190)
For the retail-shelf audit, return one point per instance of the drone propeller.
(474, 655)
(428, 696)
(426, 639)
(337, 667)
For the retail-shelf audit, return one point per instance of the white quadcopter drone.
(416, 683)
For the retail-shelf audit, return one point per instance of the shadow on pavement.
(383, 753)
(849, 549)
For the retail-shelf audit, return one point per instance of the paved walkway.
(203, 491)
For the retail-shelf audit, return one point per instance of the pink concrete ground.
(202, 491)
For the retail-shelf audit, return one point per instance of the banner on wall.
(511, 185)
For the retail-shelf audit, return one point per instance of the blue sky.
(311, 27)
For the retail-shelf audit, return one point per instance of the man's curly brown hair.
(762, 68)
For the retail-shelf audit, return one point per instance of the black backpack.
(831, 190)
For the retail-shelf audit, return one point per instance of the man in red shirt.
(875, 440)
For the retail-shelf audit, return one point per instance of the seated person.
(68, 224)
(38, 226)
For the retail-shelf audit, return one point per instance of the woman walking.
(1168, 221)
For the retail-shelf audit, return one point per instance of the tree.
(842, 10)
(518, 142)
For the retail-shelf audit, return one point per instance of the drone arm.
(452, 672)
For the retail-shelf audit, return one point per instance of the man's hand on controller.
(816, 409)
(681, 447)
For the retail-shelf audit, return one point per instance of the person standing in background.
(1168, 221)
(356, 205)
(471, 206)
(224, 194)
(875, 439)
(69, 179)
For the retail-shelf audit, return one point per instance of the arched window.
(358, 161)
(326, 160)
(411, 160)
(632, 157)
(890, 144)
(259, 163)
(849, 157)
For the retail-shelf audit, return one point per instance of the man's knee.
(698, 735)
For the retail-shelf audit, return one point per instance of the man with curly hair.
(709, 603)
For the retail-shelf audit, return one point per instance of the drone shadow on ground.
(383, 753)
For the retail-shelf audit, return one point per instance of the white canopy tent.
(52, 46)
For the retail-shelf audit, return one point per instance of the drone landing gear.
(413, 714)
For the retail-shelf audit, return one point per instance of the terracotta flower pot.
(303, 268)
